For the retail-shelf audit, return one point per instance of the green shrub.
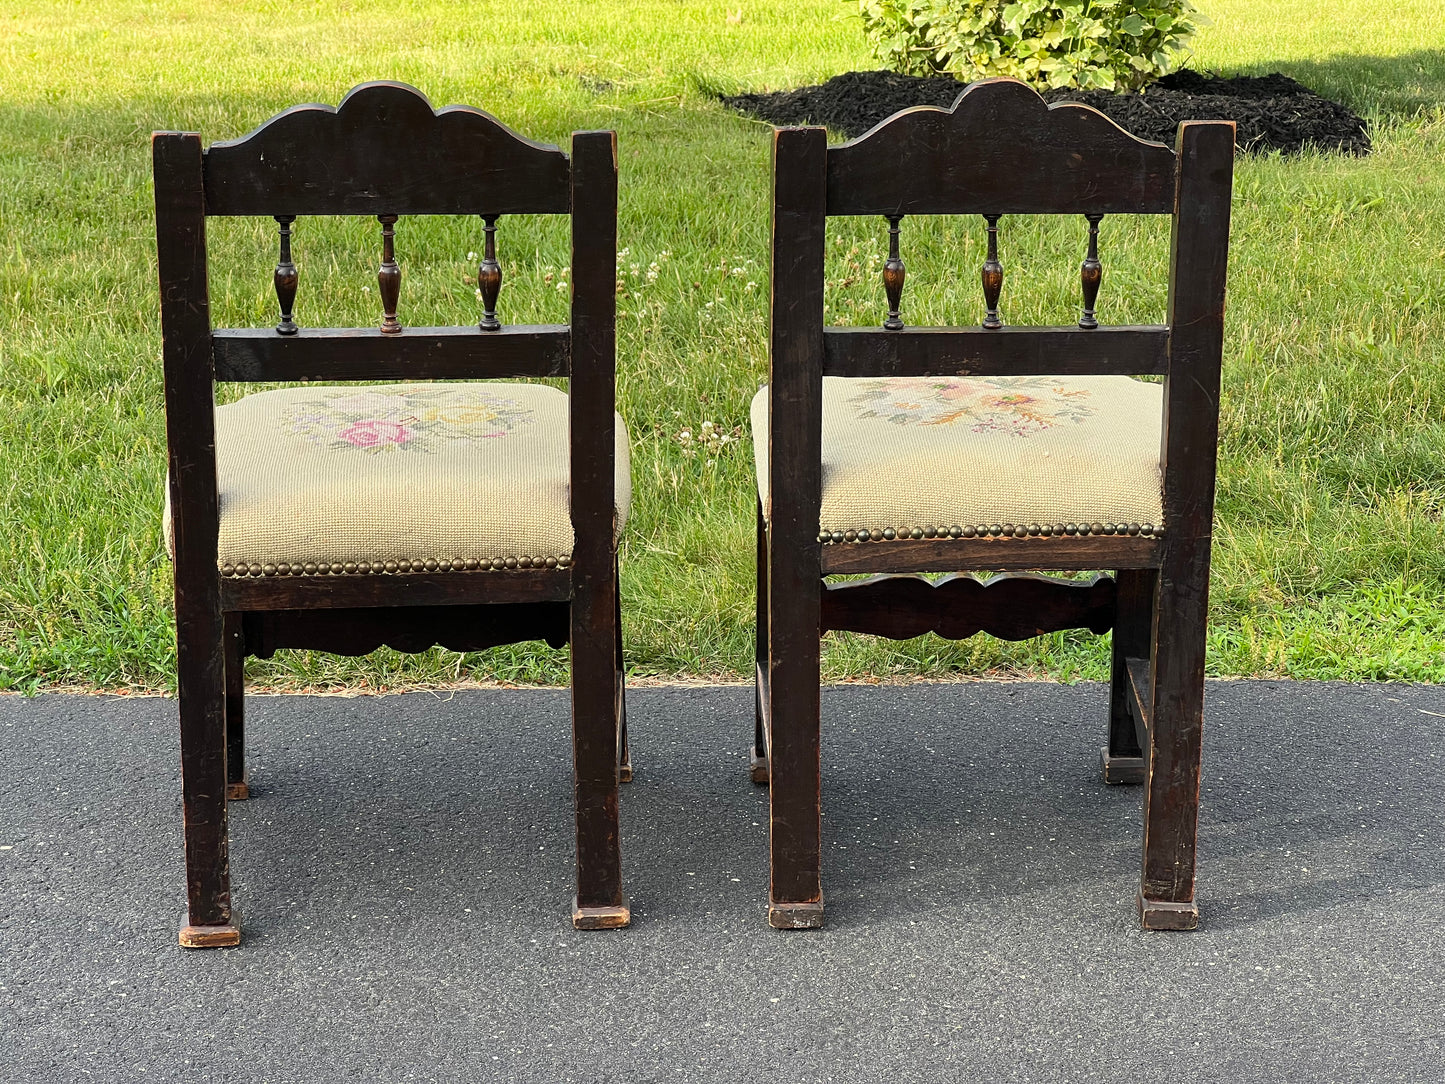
(1105, 44)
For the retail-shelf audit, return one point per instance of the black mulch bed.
(1273, 112)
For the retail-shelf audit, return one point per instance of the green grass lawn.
(1330, 550)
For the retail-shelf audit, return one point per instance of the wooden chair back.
(1000, 150)
(384, 152)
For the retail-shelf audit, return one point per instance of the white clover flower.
(471, 255)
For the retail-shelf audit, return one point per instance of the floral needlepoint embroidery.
(414, 420)
(1018, 405)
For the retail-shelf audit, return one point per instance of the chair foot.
(795, 916)
(1168, 915)
(624, 772)
(758, 767)
(238, 792)
(202, 937)
(1125, 770)
(600, 918)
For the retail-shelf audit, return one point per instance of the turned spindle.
(1091, 273)
(285, 277)
(992, 276)
(893, 275)
(388, 278)
(489, 276)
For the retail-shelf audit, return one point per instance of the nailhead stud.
(1146, 528)
(564, 560)
(889, 533)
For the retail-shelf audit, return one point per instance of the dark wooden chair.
(347, 518)
(902, 450)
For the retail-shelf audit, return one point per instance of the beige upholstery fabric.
(414, 472)
(943, 451)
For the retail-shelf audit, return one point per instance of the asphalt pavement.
(404, 875)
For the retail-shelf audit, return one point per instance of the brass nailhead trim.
(992, 530)
(243, 569)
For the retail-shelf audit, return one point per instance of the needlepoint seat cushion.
(417, 472)
(913, 451)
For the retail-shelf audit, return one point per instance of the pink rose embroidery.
(373, 434)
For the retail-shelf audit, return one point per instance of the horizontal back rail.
(417, 353)
(1055, 159)
(1009, 351)
(384, 150)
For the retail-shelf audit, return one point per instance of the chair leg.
(1123, 757)
(624, 751)
(596, 740)
(795, 900)
(758, 761)
(238, 787)
(1171, 798)
(211, 922)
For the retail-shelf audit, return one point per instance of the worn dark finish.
(388, 276)
(1123, 757)
(894, 274)
(998, 151)
(1091, 274)
(794, 584)
(410, 589)
(992, 276)
(419, 353)
(957, 607)
(994, 554)
(190, 439)
(596, 736)
(1009, 351)
(384, 152)
(758, 755)
(1074, 160)
(286, 277)
(238, 783)
(489, 276)
(1199, 248)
